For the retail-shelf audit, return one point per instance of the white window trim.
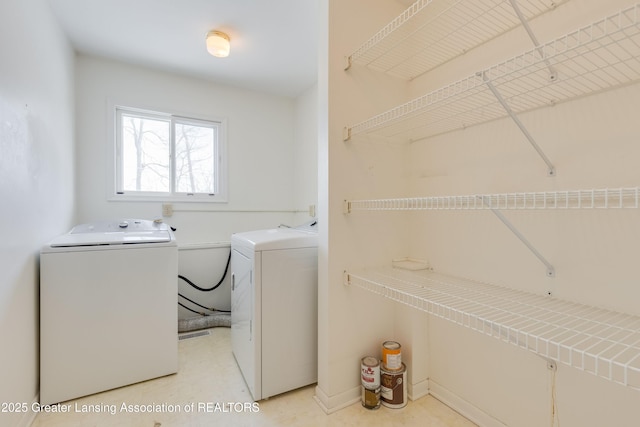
(138, 196)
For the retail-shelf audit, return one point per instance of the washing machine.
(274, 308)
(108, 308)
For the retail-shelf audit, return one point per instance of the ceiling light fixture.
(218, 44)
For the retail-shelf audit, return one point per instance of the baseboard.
(463, 407)
(416, 391)
(29, 416)
(342, 400)
(331, 404)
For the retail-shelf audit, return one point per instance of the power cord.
(201, 306)
(217, 285)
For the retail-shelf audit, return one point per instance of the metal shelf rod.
(551, 170)
(553, 74)
(551, 272)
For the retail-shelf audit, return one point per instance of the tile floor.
(210, 382)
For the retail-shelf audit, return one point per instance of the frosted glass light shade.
(218, 44)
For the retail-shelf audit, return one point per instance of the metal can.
(391, 355)
(393, 389)
(371, 397)
(370, 372)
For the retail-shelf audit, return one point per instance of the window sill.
(166, 198)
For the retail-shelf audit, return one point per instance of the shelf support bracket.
(553, 74)
(551, 272)
(346, 278)
(551, 170)
(346, 134)
(347, 62)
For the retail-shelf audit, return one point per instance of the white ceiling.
(273, 42)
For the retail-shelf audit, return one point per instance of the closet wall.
(37, 177)
(352, 324)
(592, 142)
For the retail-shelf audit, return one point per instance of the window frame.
(115, 171)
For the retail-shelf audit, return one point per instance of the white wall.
(593, 143)
(36, 180)
(305, 163)
(260, 138)
(352, 324)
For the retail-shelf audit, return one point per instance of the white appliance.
(108, 308)
(274, 308)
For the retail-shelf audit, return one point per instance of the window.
(162, 156)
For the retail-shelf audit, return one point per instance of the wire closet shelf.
(605, 198)
(599, 341)
(431, 32)
(598, 57)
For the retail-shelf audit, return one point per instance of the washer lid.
(118, 232)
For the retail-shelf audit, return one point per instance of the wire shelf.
(429, 33)
(599, 341)
(607, 198)
(601, 56)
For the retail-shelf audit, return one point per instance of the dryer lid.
(275, 238)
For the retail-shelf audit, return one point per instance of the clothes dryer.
(274, 308)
